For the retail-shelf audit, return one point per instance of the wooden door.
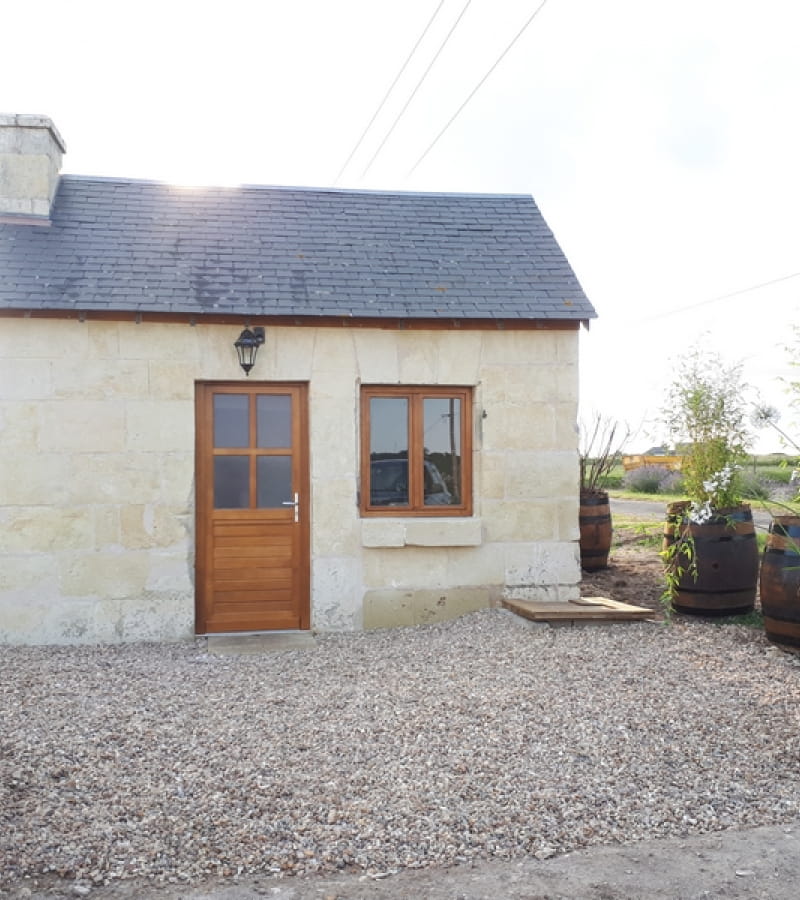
(252, 562)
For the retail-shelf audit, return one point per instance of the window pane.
(442, 440)
(231, 482)
(231, 420)
(388, 451)
(274, 420)
(274, 474)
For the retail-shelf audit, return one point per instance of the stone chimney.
(30, 158)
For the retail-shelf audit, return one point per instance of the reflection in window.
(231, 420)
(274, 420)
(416, 450)
(388, 482)
(274, 481)
(442, 449)
(231, 482)
(388, 451)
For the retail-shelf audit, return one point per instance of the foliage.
(706, 412)
(673, 483)
(754, 619)
(755, 486)
(652, 480)
(793, 352)
(678, 554)
(765, 415)
(779, 475)
(601, 444)
(648, 535)
(719, 495)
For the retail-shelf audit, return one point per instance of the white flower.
(764, 414)
(713, 486)
(700, 513)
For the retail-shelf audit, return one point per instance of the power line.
(478, 86)
(386, 95)
(747, 290)
(418, 86)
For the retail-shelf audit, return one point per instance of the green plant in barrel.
(710, 553)
(601, 444)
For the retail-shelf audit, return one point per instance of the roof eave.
(398, 323)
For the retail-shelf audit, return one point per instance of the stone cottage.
(257, 408)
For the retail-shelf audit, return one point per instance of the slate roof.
(117, 244)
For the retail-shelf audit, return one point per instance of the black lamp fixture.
(247, 345)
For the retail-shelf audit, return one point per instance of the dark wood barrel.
(595, 524)
(780, 582)
(727, 562)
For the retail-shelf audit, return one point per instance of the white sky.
(661, 140)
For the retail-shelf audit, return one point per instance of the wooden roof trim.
(386, 323)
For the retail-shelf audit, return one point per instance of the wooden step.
(584, 609)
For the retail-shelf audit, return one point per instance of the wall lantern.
(247, 345)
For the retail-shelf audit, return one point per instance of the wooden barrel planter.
(595, 527)
(780, 582)
(727, 562)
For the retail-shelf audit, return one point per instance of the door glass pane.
(388, 451)
(274, 474)
(231, 482)
(274, 420)
(231, 420)
(442, 466)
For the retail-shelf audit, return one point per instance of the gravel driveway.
(483, 738)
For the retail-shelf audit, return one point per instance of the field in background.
(767, 477)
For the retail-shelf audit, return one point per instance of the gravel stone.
(372, 752)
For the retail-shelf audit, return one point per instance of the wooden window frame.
(415, 395)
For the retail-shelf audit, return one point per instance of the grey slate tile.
(122, 244)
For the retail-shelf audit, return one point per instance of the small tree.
(706, 411)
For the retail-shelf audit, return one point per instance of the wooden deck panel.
(586, 609)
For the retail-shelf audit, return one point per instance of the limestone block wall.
(30, 158)
(521, 540)
(96, 482)
(97, 474)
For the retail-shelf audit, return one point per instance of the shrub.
(600, 448)
(705, 410)
(652, 480)
(673, 483)
(756, 487)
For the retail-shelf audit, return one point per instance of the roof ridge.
(70, 176)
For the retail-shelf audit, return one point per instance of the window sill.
(411, 532)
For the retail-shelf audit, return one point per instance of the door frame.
(204, 489)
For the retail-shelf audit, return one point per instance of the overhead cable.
(414, 92)
(478, 86)
(386, 95)
(747, 290)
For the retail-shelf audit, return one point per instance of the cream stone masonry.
(97, 510)
(388, 609)
(30, 158)
(406, 532)
(112, 344)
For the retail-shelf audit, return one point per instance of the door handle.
(296, 504)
